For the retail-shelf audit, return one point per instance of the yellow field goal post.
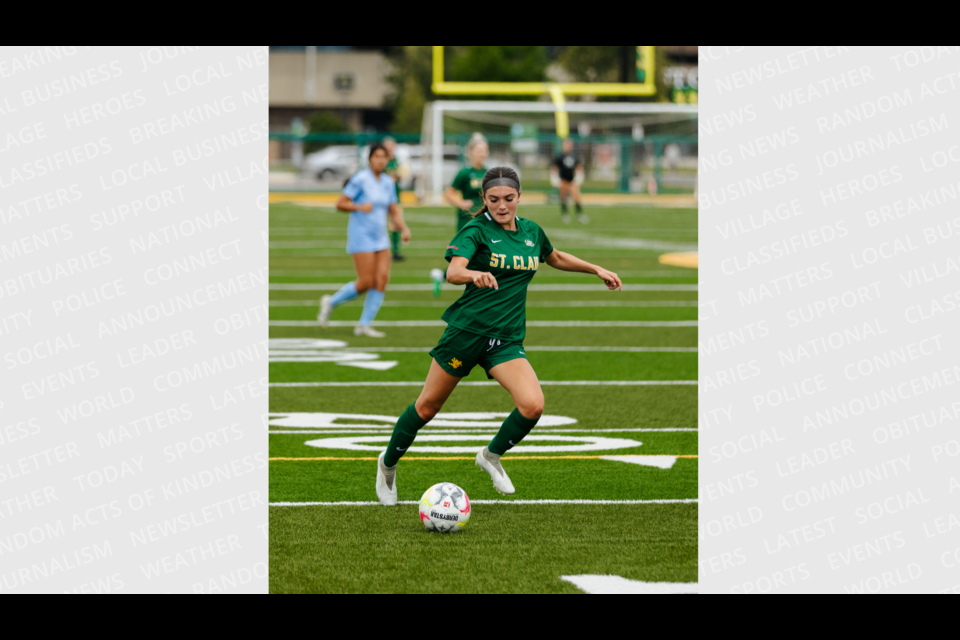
(496, 117)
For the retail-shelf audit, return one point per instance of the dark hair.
(493, 174)
(377, 146)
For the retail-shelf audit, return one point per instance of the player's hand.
(555, 179)
(610, 279)
(366, 207)
(405, 235)
(484, 280)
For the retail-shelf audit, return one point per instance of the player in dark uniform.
(566, 173)
(496, 255)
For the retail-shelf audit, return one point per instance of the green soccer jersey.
(469, 182)
(391, 170)
(513, 258)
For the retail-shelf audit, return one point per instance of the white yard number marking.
(660, 462)
(309, 350)
(368, 433)
(615, 585)
(374, 444)
(373, 421)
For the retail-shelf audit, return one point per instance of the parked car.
(336, 162)
(411, 169)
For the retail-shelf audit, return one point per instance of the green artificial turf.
(505, 548)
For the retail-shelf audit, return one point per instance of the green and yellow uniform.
(487, 326)
(469, 183)
(391, 170)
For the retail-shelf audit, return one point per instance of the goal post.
(645, 70)
(626, 147)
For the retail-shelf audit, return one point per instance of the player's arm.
(457, 273)
(396, 215)
(453, 197)
(567, 262)
(554, 175)
(348, 205)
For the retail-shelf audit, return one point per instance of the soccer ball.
(444, 507)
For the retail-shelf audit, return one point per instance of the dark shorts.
(458, 352)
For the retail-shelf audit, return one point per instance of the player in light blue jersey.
(369, 196)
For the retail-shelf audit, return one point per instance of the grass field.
(607, 481)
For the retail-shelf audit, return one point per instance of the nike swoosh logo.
(399, 449)
(522, 353)
(512, 443)
(496, 241)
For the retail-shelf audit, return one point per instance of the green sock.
(404, 433)
(514, 429)
(395, 241)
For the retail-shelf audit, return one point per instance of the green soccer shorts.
(458, 352)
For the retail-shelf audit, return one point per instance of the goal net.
(625, 147)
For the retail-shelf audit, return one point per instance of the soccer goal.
(625, 147)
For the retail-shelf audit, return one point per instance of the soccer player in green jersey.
(392, 167)
(464, 193)
(496, 255)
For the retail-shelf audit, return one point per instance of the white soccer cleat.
(368, 331)
(582, 218)
(501, 482)
(325, 309)
(385, 494)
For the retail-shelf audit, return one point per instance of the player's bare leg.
(436, 390)
(578, 202)
(520, 380)
(377, 274)
(564, 194)
(365, 266)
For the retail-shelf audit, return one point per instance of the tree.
(603, 64)
(412, 75)
(591, 63)
(322, 122)
(498, 64)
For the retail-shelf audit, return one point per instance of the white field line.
(409, 273)
(486, 430)
(618, 585)
(437, 244)
(575, 238)
(342, 231)
(494, 383)
(337, 244)
(530, 323)
(561, 349)
(408, 502)
(568, 303)
(322, 286)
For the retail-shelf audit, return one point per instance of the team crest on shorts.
(455, 363)
(529, 243)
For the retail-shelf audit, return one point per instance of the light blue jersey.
(367, 232)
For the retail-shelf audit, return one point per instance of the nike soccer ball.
(444, 507)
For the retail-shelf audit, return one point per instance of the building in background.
(349, 82)
(352, 88)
